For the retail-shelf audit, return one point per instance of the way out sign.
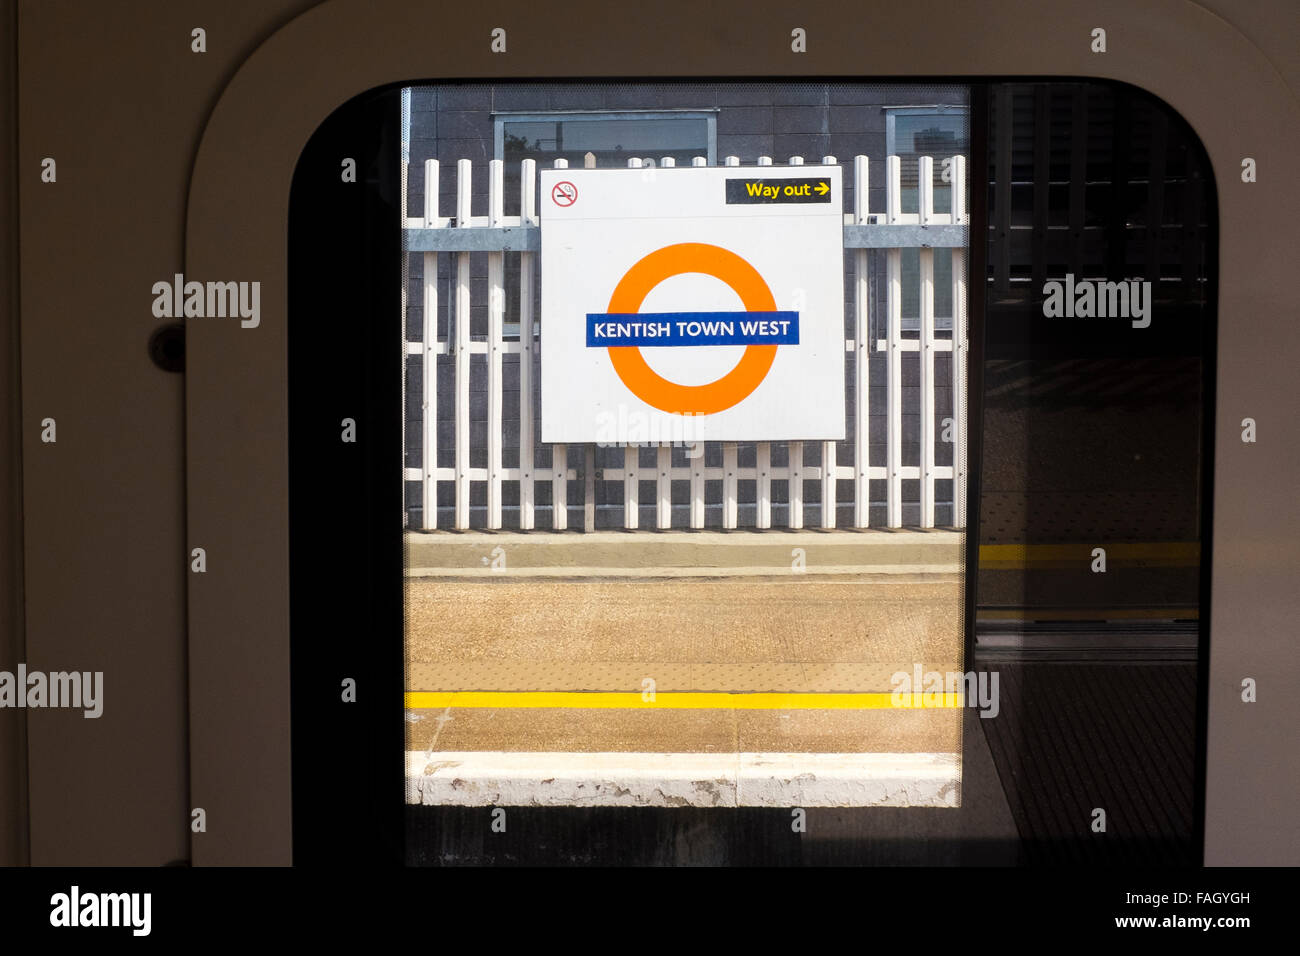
(700, 303)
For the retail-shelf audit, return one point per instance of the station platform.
(708, 669)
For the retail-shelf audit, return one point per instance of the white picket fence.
(865, 235)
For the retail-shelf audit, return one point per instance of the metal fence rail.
(696, 474)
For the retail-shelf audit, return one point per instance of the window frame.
(501, 117)
(936, 109)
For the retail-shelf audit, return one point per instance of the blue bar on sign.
(660, 329)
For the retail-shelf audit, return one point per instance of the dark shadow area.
(1096, 468)
(346, 561)
(981, 832)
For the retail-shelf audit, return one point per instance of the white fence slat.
(664, 487)
(828, 484)
(894, 354)
(461, 348)
(496, 320)
(430, 210)
(559, 487)
(893, 189)
(925, 175)
(429, 361)
(559, 458)
(925, 190)
(697, 485)
(463, 172)
(829, 487)
(959, 212)
(528, 216)
(862, 354)
(730, 483)
(589, 487)
(959, 215)
(795, 485)
(631, 486)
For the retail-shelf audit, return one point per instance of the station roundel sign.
(651, 387)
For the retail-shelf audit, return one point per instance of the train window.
(612, 137)
(667, 458)
(710, 621)
(911, 132)
(1095, 464)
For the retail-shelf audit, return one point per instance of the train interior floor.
(1075, 737)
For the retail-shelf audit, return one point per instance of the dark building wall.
(449, 123)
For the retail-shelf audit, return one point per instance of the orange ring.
(652, 388)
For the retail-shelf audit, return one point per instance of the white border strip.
(482, 779)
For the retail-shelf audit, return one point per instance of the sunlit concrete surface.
(742, 622)
(684, 779)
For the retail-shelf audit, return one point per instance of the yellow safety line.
(1088, 614)
(600, 700)
(1155, 553)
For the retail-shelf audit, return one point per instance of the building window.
(611, 137)
(910, 133)
(936, 131)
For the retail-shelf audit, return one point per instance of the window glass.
(612, 140)
(939, 133)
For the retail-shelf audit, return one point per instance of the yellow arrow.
(823, 189)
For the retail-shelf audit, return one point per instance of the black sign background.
(738, 191)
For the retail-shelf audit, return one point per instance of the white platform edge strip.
(482, 779)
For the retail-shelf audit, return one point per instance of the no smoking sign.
(564, 193)
(669, 308)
